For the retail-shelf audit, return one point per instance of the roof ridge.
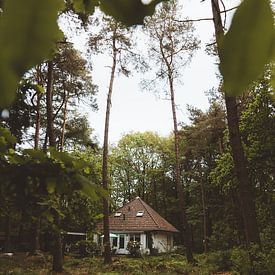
(145, 206)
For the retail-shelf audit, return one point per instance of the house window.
(117, 214)
(135, 237)
(115, 242)
(121, 241)
(140, 213)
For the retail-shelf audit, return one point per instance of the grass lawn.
(20, 263)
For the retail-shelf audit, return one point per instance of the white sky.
(136, 110)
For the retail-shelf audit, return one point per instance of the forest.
(212, 178)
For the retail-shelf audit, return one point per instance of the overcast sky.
(136, 110)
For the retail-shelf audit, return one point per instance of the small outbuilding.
(137, 221)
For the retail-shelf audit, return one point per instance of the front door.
(122, 244)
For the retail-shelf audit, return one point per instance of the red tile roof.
(129, 222)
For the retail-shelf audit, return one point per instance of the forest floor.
(20, 263)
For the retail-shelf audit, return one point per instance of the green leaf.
(128, 12)
(51, 184)
(89, 189)
(35, 154)
(28, 33)
(49, 217)
(85, 6)
(247, 46)
(62, 157)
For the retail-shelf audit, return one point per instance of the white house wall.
(162, 241)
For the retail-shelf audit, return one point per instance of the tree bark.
(37, 109)
(37, 121)
(7, 244)
(105, 179)
(245, 190)
(62, 139)
(186, 236)
(35, 242)
(57, 247)
(205, 217)
(49, 99)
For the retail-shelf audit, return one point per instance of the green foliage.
(128, 12)
(134, 248)
(19, 118)
(248, 45)
(218, 260)
(85, 6)
(28, 32)
(88, 247)
(7, 140)
(165, 264)
(252, 260)
(223, 175)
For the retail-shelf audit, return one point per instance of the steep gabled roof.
(128, 221)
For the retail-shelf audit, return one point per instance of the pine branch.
(204, 19)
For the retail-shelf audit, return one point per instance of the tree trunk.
(20, 231)
(205, 217)
(49, 99)
(164, 194)
(35, 243)
(105, 179)
(37, 108)
(185, 227)
(245, 190)
(7, 244)
(37, 121)
(57, 247)
(62, 139)
(155, 199)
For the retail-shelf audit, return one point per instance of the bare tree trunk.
(164, 194)
(245, 190)
(57, 247)
(20, 231)
(105, 184)
(35, 242)
(49, 98)
(37, 121)
(205, 220)
(62, 139)
(37, 109)
(128, 185)
(155, 200)
(186, 236)
(7, 244)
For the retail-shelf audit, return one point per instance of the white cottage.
(137, 221)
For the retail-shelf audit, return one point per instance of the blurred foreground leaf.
(28, 32)
(247, 46)
(129, 12)
(85, 6)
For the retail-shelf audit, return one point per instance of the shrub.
(134, 248)
(87, 247)
(220, 259)
(240, 260)
(180, 249)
